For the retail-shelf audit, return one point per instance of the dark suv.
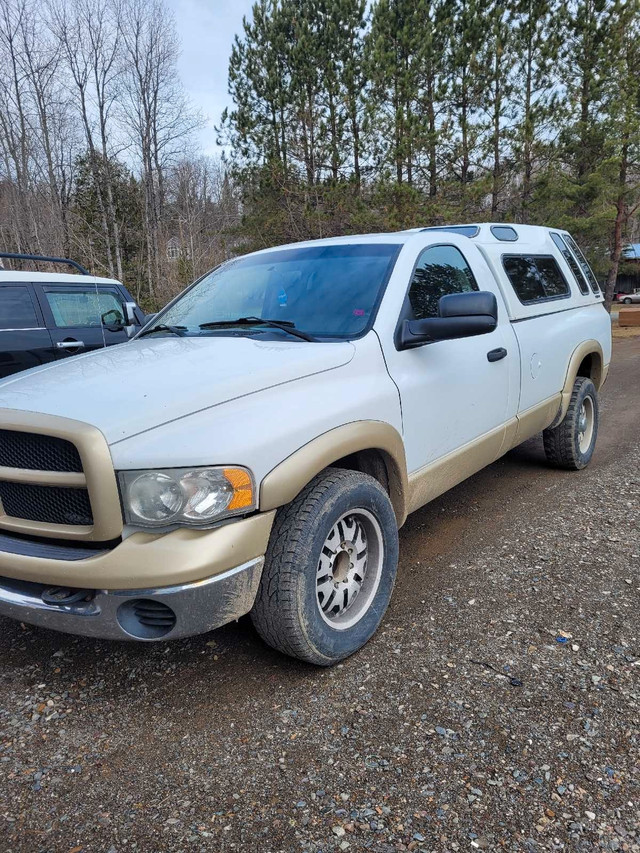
(46, 316)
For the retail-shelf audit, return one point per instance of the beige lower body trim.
(534, 420)
(152, 560)
(438, 477)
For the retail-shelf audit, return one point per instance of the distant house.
(176, 249)
(173, 249)
(628, 282)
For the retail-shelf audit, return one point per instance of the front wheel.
(570, 445)
(626, 301)
(329, 569)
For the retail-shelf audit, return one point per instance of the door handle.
(496, 354)
(69, 344)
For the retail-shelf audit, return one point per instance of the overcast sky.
(206, 29)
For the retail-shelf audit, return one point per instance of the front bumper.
(142, 560)
(139, 614)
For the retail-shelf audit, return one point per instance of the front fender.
(287, 479)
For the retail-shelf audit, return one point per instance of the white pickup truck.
(257, 446)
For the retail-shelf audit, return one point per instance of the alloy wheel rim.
(349, 568)
(586, 420)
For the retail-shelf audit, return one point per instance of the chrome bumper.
(165, 613)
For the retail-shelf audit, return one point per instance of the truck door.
(454, 391)
(74, 315)
(24, 339)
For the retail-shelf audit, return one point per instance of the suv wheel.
(329, 569)
(571, 444)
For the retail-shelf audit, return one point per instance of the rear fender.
(597, 373)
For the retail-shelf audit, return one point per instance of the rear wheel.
(571, 444)
(329, 569)
(627, 301)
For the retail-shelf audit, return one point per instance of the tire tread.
(275, 613)
(559, 441)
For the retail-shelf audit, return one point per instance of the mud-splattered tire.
(570, 445)
(329, 569)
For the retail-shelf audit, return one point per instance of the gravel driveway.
(496, 709)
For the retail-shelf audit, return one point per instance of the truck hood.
(133, 387)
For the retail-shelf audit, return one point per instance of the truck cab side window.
(16, 308)
(440, 270)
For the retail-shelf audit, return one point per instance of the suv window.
(440, 270)
(572, 263)
(535, 278)
(76, 306)
(16, 308)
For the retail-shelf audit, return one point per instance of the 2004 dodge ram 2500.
(257, 446)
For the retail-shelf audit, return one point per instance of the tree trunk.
(527, 182)
(497, 105)
(618, 228)
(397, 131)
(355, 130)
(333, 124)
(433, 137)
(464, 129)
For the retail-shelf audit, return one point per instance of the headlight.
(192, 496)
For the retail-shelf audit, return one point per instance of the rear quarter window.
(535, 278)
(16, 308)
(572, 264)
(593, 281)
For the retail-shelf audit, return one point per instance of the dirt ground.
(496, 709)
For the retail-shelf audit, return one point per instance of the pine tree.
(396, 67)
(353, 76)
(584, 69)
(305, 59)
(469, 30)
(343, 83)
(623, 131)
(495, 64)
(434, 35)
(257, 126)
(536, 41)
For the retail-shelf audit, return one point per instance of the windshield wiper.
(162, 327)
(283, 325)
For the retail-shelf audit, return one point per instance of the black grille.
(49, 504)
(37, 452)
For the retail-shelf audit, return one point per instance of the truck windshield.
(325, 291)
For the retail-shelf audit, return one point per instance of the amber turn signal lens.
(242, 488)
